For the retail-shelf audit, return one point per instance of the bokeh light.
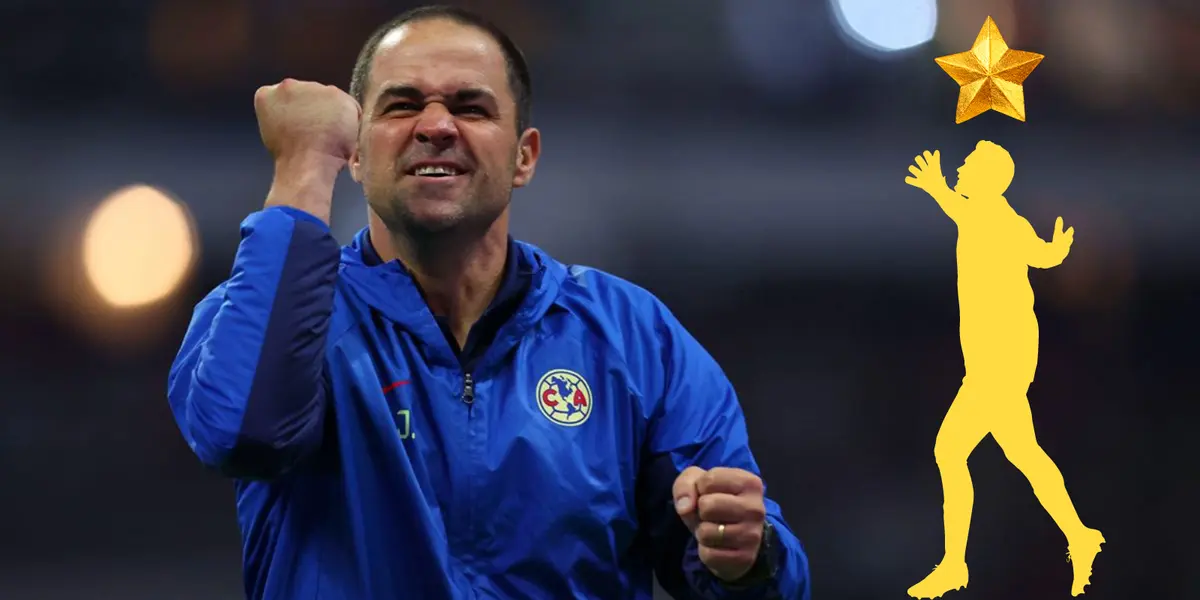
(887, 25)
(138, 246)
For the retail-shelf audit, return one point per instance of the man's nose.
(436, 126)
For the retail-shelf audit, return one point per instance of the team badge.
(564, 397)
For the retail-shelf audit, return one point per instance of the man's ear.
(355, 165)
(529, 148)
(355, 157)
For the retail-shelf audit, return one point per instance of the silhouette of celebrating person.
(999, 335)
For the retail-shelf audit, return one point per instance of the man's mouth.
(437, 171)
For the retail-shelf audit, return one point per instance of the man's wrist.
(306, 183)
(765, 566)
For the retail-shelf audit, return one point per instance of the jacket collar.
(390, 289)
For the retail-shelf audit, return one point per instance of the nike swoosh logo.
(394, 385)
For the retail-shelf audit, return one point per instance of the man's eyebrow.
(473, 94)
(401, 91)
(413, 93)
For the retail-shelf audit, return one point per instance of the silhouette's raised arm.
(1041, 254)
(952, 203)
(927, 175)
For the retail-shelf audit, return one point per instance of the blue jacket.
(371, 463)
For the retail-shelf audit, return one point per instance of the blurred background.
(743, 159)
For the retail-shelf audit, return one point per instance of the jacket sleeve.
(247, 387)
(698, 421)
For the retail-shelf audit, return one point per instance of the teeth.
(439, 170)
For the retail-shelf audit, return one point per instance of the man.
(999, 332)
(441, 411)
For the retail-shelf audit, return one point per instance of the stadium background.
(743, 159)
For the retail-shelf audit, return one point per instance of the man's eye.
(475, 110)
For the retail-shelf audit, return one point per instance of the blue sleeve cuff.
(299, 215)
(710, 587)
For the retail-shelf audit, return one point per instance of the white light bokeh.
(887, 25)
(138, 246)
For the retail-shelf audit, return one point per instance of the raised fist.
(300, 120)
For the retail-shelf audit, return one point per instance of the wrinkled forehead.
(439, 57)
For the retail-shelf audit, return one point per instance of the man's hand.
(706, 500)
(927, 173)
(1062, 239)
(311, 130)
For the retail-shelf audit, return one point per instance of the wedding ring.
(720, 533)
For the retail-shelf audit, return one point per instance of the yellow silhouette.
(999, 335)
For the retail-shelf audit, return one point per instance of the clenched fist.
(300, 118)
(725, 510)
(311, 130)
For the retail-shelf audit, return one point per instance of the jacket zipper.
(468, 395)
(468, 398)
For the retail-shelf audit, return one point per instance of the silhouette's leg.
(1014, 433)
(963, 428)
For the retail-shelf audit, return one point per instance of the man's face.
(438, 145)
(966, 179)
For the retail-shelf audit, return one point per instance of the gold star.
(990, 75)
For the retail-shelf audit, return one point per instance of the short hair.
(1004, 162)
(519, 81)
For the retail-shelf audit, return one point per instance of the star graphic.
(990, 75)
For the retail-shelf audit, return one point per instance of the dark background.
(744, 160)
